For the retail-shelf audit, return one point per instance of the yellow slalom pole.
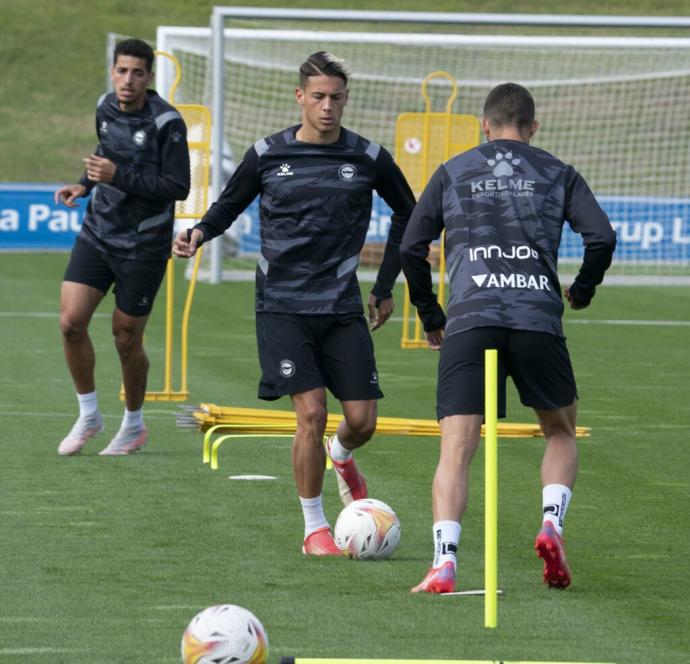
(491, 488)
(406, 317)
(442, 271)
(185, 323)
(169, 303)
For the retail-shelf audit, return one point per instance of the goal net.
(614, 107)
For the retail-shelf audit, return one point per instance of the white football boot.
(83, 429)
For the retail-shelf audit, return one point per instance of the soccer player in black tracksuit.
(503, 206)
(139, 170)
(315, 181)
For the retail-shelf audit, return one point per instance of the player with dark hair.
(503, 205)
(138, 171)
(315, 181)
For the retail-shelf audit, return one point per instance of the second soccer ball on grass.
(367, 529)
(224, 634)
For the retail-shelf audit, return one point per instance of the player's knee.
(71, 327)
(313, 417)
(362, 426)
(126, 341)
(558, 428)
(560, 432)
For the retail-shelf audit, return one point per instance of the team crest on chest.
(347, 172)
(139, 137)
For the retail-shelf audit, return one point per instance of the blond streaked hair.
(323, 63)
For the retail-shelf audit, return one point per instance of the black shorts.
(538, 363)
(136, 281)
(304, 352)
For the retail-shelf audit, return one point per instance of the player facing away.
(138, 171)
(503, 205)
(315, 182)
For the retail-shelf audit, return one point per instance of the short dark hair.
(509, 104)
(323, 63)
(137, 48)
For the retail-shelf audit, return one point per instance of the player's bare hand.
(99, 169)
(378, 315)
(68, 195)
(187, 242)
(569, 297)
(435, 339)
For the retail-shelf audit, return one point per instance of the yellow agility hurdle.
(229, 436)
(253, 420)
(210, 449)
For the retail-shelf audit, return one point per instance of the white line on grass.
(252, 477)
(20, 619)
(623, 321)
(394, 319)
(36, 651)
(51, 508)
(41, 314)
(149, 415)
(609, 321)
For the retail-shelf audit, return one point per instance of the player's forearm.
(84, 179)
(390, 264)
(596, 260)
(86, 183)
(241, 189)
(417, 271)
(166, 187)
(216, 221)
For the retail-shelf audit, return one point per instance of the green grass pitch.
(105, 560)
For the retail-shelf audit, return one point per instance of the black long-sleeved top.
(315, 209)
(132, 216)
(503, 205)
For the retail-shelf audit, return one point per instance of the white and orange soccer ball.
(367, 529)
(224, 634)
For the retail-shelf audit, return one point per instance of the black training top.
(503, 205)
(132, 217)
(315, 209)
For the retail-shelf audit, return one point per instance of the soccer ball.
(367, 529)
(224, 634)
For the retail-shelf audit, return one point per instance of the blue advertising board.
(31, 220)
(649, 228)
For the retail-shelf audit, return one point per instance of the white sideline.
(370, 276)
(36, 651)
(578, 321)
(41, 314)
(148, 414)
(594, 321)
(660, 323)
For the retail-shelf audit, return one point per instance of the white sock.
(446, 538)
(555, 501)
(338, 452)
(133, 419)
(314, 518)
(88, 404)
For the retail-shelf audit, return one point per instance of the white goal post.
(614, 107)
